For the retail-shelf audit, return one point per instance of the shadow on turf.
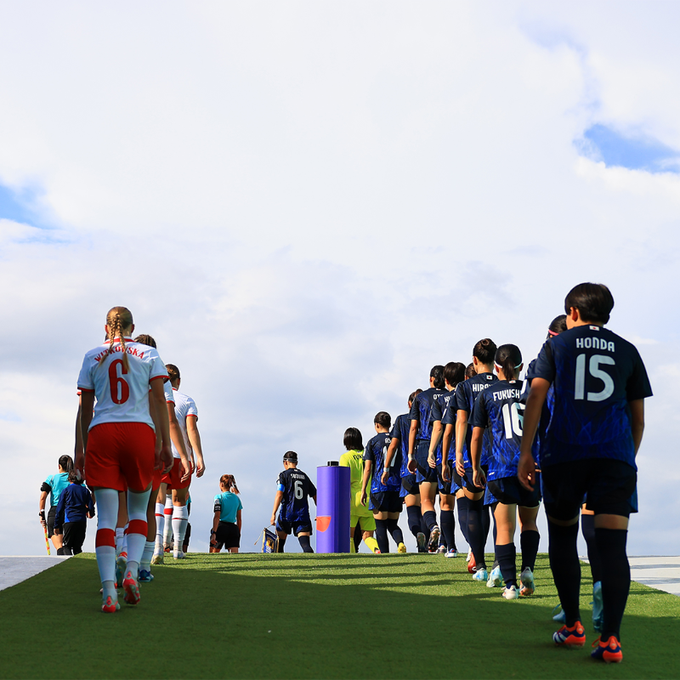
(248, 617)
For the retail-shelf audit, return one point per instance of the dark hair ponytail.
(66, 463)
(557, 325)
(484, 350)
(509, 359)
(437, 373)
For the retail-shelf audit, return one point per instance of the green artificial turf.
(315, 616)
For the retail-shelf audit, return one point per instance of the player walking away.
(477, 513)
(74, 509)
(361, 520)
(591, 442)
(444, 417)
(499, 409)
(385, 501)
(187, 417)
(410, 491)
(226, 530)
(167, 414)
(419, 447)
(293, 489)
(54, 485)
(121, 447)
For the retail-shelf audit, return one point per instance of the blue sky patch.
(17, 205)
(615, 149)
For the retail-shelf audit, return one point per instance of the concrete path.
(658, 572)
(14, 570)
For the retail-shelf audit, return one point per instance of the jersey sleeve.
(395, 431)
(368, 452)
(638, 385)
(414, 414)
(85, 380)
(191, 408)
(437, 407)
(240, 505)
(281, 483)
(169, 394)
(479, 416)
(158, 369)
(461, 398)
(217, 506)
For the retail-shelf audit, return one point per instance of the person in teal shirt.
(53, 486)
(226, 531)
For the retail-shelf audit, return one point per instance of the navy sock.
(414, 519)
(506, 560)
(496, 559)
(430, 518)
(477, 537)
(588, 529)
(462, 505)
(528, 543)
(395, 531)
(566, 568)
(423, 526)
(381, 535)
(611, 544)
(448, 528)
(305, 544)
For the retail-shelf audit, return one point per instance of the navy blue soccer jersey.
(439, 408)
(546, 413)
(400, 431)
(297, 487)
(449, 418)
(466, 394)
(498, 409)
(421, 410)
(595, 374)
(375, 451)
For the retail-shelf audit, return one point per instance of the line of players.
(406, 465)
(137, 441)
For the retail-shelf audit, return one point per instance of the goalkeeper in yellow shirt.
(360, 516)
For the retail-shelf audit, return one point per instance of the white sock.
(107, 514)
(147, 555)
(160, 524)
(180, 516)
(120, 540)
(137, 529)
(167, 533)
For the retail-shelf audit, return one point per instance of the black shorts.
(467, 480)
(50, 522)
(74, 536)
(609, 485)
(385, 501)
(424, 473)
(228, 535)
(409, 486)
(296, 528)
(449, 487)
(509, 491)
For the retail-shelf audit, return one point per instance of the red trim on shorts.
(105, 537)
(137, 526)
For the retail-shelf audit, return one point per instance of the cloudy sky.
(310, 204)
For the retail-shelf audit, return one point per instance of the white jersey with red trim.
(185, 407)
(122, 395)
(169, 393)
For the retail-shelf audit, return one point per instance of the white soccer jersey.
(184, 406)
(121, 396)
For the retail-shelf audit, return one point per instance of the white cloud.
(309, 206)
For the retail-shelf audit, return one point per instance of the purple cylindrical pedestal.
(332, 509)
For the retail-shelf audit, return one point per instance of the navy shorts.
(466, 481)
(609, 485)
(296, 527)
(509, 491)
(450, 487)
(424, 473)
(409, 486)
(385, 501)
